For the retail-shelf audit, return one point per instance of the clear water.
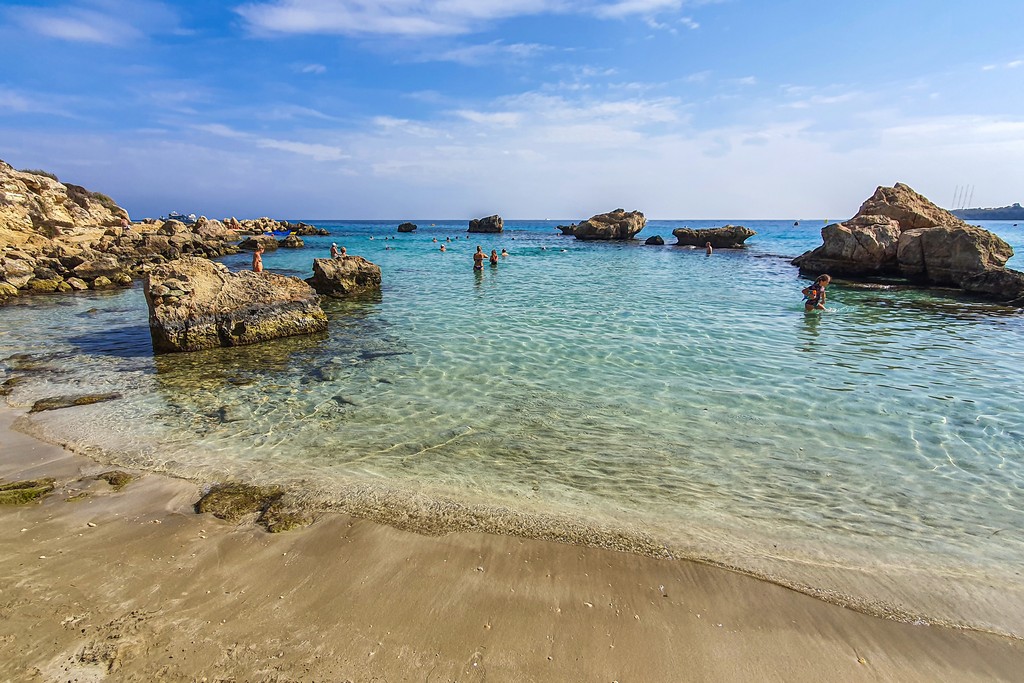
(874, 452)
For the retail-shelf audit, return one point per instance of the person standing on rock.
(257, 260)
(815, 294)
(478, 258)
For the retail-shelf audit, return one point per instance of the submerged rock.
(727, 237)
(614, 225)
(233, 501)
(118, 479)
(655, 240)
(197, 304)
(493, 223)
(898, 232)
(21, 492)
(407, 227)
(58, 402)
(344, 276)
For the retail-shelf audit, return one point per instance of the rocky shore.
(59, 237)
(900, 233)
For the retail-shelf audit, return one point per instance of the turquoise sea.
(645, 398)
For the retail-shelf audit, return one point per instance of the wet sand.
(133, 585)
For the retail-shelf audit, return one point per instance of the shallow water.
(875, 449)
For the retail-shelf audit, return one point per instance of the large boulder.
(344, 276)
(949, 254)
(407, 227)
(268, 242)
(898, 232)
(614, 225)
(197, 304)
(726, 237)
(655, 240)
(292, 241)
(489, 224)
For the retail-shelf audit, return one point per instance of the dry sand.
(132, 585)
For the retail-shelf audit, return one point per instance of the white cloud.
(425, 18)
(624, 8)
(106, 22)
(689, 23)
(312, 69)
(505, 119)
(316, 151)
(476, 55)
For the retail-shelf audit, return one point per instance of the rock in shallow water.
(726, 237)
(614, 225)
(206, 306)
(343, 276)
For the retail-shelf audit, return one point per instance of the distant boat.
(187, 220)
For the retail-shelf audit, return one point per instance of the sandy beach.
(133, 585)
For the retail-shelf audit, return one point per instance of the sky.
(532, 109)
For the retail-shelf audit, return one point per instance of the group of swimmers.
(479, 256)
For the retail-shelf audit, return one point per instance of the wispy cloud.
(315, 151)
(311, 68)
(426, 18)
(477, 55)
(105, 22)
(1007, 65)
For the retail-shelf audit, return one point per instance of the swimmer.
(814, 296)
(435, 240)
(494, 257)
(478, 258)
(334, 250)
(504, 253)
(443, 249)
(707, 248)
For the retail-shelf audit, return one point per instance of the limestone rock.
(898, 232)
(948, 254)
(407, 227)
(268, 242)
(204, 306)
(343, 276)
(566, 229)
(655, 240)
(614, 225)
(488, 224)
(292, 242)
(726, 237)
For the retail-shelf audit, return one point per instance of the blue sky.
(528, 108)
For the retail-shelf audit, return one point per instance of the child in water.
(494, 257)
(814, 296)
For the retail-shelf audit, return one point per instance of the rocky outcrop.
(489, 224)
(56, 237)
(726, 237)
(898, 232)
(197, 304)
(344, 276)
(291, 242)
(259, 226)
(567, 229)
(407, 227)
(615, 225)
(655, 240)
(268, 242)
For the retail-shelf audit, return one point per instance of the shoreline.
(155, 590)
(915, 595)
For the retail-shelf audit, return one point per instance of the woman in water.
(257, 260)
(494, 257)
(478, 258)
(814, 296)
